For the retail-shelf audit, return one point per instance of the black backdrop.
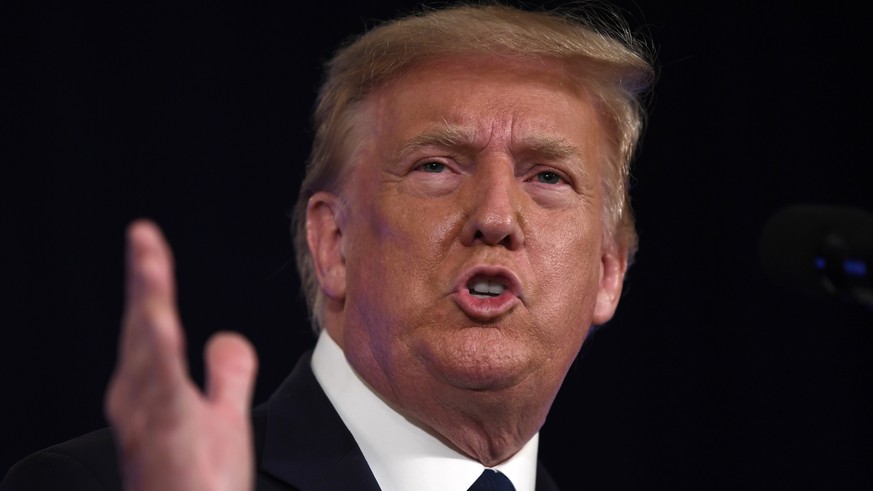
(196, 115)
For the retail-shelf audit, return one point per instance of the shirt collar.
(401, 455)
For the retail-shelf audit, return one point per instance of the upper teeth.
(485, 287)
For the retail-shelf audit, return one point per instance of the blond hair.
(598, 49)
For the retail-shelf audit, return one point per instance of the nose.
(495, 200)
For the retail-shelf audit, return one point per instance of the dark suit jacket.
(300, 443)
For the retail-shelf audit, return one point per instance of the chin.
(480, 359)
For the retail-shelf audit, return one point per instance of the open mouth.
(485, 288)
(488, 293)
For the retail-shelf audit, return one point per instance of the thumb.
(231, 364)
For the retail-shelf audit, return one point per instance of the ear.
(613, 265)
(324, 237)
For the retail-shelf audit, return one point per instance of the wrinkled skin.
(471, 170)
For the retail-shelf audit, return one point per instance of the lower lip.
(485, 308)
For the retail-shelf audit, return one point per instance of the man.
(463, 223)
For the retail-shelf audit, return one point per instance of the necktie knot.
(491, 480)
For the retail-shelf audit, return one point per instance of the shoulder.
(84, 463)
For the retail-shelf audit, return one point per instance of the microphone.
(822, 250)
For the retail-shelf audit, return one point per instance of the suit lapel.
(544, 480)
(302, 441)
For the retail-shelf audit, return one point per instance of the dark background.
(196, 115)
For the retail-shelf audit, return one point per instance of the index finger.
(151, 337)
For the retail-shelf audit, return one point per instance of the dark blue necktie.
(491, 480)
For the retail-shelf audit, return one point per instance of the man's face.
(466, 262)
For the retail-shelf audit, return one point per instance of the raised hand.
(170, 434)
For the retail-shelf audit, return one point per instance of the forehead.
(476, 99)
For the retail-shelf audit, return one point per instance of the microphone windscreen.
(801, 245)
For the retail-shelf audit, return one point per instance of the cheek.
(395, 249)
(414, 235)
(569, 272)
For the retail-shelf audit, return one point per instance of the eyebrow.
(444, 136)
(550, 148)
(455, 137)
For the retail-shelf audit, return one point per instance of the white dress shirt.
(401, 455)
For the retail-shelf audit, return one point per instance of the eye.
(432, 167)
(547, 177)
